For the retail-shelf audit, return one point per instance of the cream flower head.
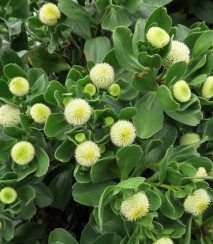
(102, 75)
(179, 52)
(201, 172)
(87, 153)
(207, 89)
(19, 86)
(164, 240)
(9, 115)
(157, 37)
(135, 207)
(22, 152)
(8, 195)
(122, 133)
(189, 138)
(40, 112)
(197, 202)
(77, 112)
(49, 14)
(182, 91)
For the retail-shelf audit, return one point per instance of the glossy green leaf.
(62, 236)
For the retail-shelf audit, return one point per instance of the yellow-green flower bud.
(201, 172)
(8, 195)
(102, 148)
(114, 90)
(40, 113)
(108, 120)
(90, 89)
(207, 89)
(164, 240)
(9, 115)
(19, 86)
(49, 14)
(182, 91)
(23, 153)
(157, 37)
(135, 207)
(189, 138)
(80, 137)
(66, 100)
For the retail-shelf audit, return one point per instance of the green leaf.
(18, 9)
(131, 183)
(62, 236)
(65, 151)
(126, 57)
(95, 49)
(108, 238)
(4, 91)
(157, 3)
(149, 118)
(203, 10)
(44, 196)
(42, 162)
(128, 158)
(164, 162)
(127, 113)
(154, 199)
(13, 70)
(10, 56)
(152, 61)
(8, 229)
(49, 94)
(133, 6)
(26, 194)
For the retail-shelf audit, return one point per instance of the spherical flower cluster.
(207, 89)
(77, 112)
(122, 133)
(90, 89)
(189, 138)
(40, 112)
(23, 152)
(135, 207)
(179, 52)
(182, 91)
(197, 202)
(114, 90)
(201, 172)
(19, 86)
(102, 75)
(87, 153)
(164, 240)
(8, 195)
(9, 115)
(157, 37)
(49, 14)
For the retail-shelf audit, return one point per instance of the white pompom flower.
(77, 112)
(9, 115)
(207, 89)
(197, 202)
(122, 133)
(87, 153)
(135, 207)
(102, 75)
(158, 37)
(49, 14)
(40, 112)
(8, 195)
(164, 240)
(181, 91)
(179, 52)
(19, 86)
(23, 152)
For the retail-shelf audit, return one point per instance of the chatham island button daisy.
(9, 115)
(135, 207)
(102, 75)
(40, 112)
(19, 86)
(197, 202)
(179, 52)
(87, 153)
(181, 91)
(90, 89)
(201, 172)
(189, 138)
(49, 14)
(77, 112)
(8, 195)
(207, 89)
(114, 90)
(157, 37)
(122, 133)
(164, 240)
(23, 152)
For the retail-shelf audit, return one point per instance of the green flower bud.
(90, 88)
(66, 100)
(108, 120)
(189, 138)
(207, 89)
(8, 195)
(102, 148)
(164, 240)
(19, 86)
(157, 37)
(80, 137)
(114, 90)
(182, 91)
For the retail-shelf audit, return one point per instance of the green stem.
(172, 188)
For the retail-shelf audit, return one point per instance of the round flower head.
(8, 195)
(23, 152)
(197, 202)
(49, 14)
(77, 112)
(122, 133)
(114, 90)
(182, 91)
(40, 113)
(80, 137)
(87, 153)
(9, 115)
(19, 86)
(157, 37)
(102, 75)
(201, 172)
(90, 89)
(189, 138)
(135, 207)
(179, 52)
(207, 90)
(164, 240)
